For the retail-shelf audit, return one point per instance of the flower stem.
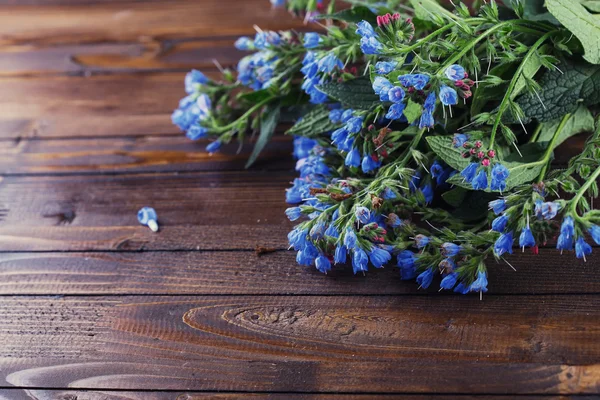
(244, 116)
(550, 148)
(513, 83)
(583, 190)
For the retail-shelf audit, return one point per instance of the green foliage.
(356, 93)
(442, 147)
(562, 90)
(268, 122)
(581, 121)
(584, 25)
(314, 123)
(355, 14)
(412, 111)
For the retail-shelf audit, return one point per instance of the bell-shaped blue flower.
(312, 40)
(359, 260)
(332, 232)
(582, 249)
(395, 111)
(455, 72)
(323, 264)
(214, 146)
(384, 67)
(394, 220)
(406, 262)
(363, 214)
(424, 279)
(339, 257)
(497, 206)
(461, 288)
(193, 79)
(396, 94)
(244, 43)
(479, 284)
(459, 140)
(427, 191)
(469, 172)
(499, 223)
(549, 209)
(499, 175)
(335, 115)
(365, 29)
(370, 45)
(526, 238)
(450, 249)
(426, 121)
(421, 241)
(293, 213)
(449, 281)
(417, 81)
(381, 87)
(354, 124)
(353, 158)
(196, 132)
(379, 257)
(448, 96)
(480, 182)
(350, 239)
(595, 233)
(504, 244)
(388, 194)
(369, 164)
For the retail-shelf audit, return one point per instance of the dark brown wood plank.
(136, 154)
(114, 105)
(37, 394)
(134, 21)
(405, 344)
(235, 272)
(217, 210)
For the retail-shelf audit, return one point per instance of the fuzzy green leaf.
(581, 121)
(584, 25)
(592, 5)
(313, 123)
(356, 93)
(443, 148)
(268, 123)
(534, 10)
(563, 91)
(354, 14)
(429, 10)
(412, 111)
(455, 197)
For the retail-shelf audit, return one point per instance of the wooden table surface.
(95, 306)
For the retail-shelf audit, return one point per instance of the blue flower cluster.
(477, 176)
(369, 41)
(317, 68)
(194, 108)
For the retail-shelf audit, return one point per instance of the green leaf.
(255, 96)
(430, 10)
(584, 25)
(455, 197)
(443, 148)
(313, 123)
(474, 207)
(268, 123)
(356, 93)
(521, 169)
(534, 10)
(562, 91)
(581, 121)
(592, 5)
(412, 111)
(354, 14)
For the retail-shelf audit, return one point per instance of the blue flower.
(455, 72)
(450, 249)
(421, 241)
(564, 242)
(480, 182)
(595, 232)
(526, 238)
(499, 175)
(317, 231)
(339, 256)
(359, 260)
(449, 281)
(427, 191)
(379, 257)
(370, 45)
(293, 195)
(297, 238)
(353, 158)
(244, 43)
(424, 279)
(429, 104)
(332, 232)
(504, 244)
(549, 209)
(448, 96)
(499, 224)
(384, 67)
(381, 87)
(196, 132)
(193, 79)
(418, 81)
(406, 262)
(311, 40)
(396, 94)
(447, 265)
(293, 213)
(303, 146)
(469, 172)
(307, 255)
(346, 115)
(335, 115)
(214, 146)
(394, 220)
(365, 29)
(278, 3)
(388, 194)
(480, 284)
(323, 264)
(264, 39)
(436, 169)
(567, 228)
(395, 111)
(497, 206)
(459, 140)
(369, 164)
(329, 63)
(354, 124)
(582, 249)
(350, 239)
(426, 120)
(363, 214)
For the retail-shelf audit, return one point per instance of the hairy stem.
(581, 192)
(550, 148)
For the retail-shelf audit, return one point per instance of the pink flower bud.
(492, 153)
(478, 144)
(486, 162)
(480, 155)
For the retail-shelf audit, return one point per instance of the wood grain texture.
(400, 344)
(31, 394)
(216, 210)
(136, 154)
(238, 272)
(49, 23)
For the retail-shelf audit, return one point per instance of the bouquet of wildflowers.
(424, 132)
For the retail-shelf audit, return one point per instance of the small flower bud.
(486, 162)
(473, 151)
(481, 155)
(491, 153)
(478, 144)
